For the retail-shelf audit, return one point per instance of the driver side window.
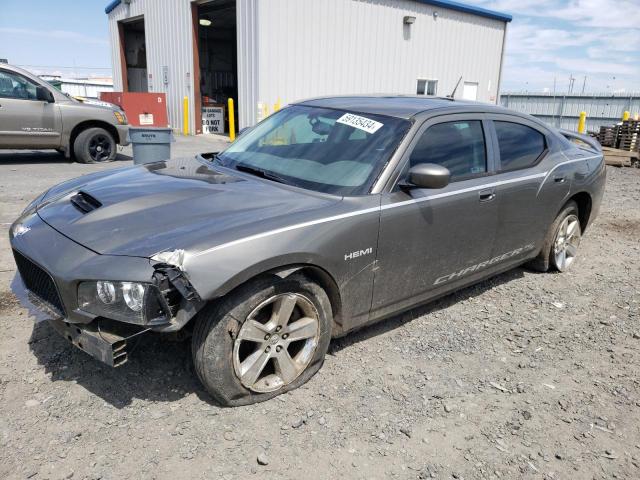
(16, 86)
(458, 146)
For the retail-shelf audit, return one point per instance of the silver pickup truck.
(35, 115)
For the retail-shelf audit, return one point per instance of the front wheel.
(268, 337)
(94, 145)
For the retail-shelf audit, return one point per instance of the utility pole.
(584, 84)
(571, 82)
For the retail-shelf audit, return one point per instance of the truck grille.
(39, 282)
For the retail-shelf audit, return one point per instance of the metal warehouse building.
(267, 52)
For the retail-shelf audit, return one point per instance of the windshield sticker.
(362, 123)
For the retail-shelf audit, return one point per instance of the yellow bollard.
(232, 121)
(582, 123)
(276, 106)
(185, 116)
(625, 116)
(265, 111)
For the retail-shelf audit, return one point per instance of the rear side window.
(520, 146)
(459, 146)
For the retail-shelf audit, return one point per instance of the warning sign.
(212, 119)
(145, 119)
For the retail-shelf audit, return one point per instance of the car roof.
(400, 106)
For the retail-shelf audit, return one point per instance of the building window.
(427, 87)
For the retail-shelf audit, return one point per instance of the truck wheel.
(94, 145)
(268, 337)
(561, 243)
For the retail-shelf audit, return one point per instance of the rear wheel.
(560, 246)
(267, 338)
(565, 245)
(94, 145)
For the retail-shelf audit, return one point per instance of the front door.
(432, 241)
(24, 120)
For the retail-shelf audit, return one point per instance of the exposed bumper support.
(104, 340)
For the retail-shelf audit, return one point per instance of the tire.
(549, 256)
(228, 338)
(94, 145)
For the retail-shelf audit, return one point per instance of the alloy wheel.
(565, 246)
(99, 148)
(276, 342)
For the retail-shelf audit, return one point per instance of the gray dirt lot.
(527, 375)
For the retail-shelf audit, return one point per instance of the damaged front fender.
(182, 300)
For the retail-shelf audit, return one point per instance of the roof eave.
(450, 4)
(109, 8)
(462, 7)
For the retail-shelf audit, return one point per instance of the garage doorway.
(133, 55)
(215, 64)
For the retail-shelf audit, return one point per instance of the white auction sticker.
(362, 123)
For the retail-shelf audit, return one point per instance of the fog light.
(133, 294)
(106, 292)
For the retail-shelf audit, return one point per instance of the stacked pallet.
(621, 158)
(629, 136)
(608, 136)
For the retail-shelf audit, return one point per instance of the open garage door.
(133, 55)
(216, 64)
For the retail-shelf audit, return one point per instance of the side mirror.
(44, 94)
(429, 175)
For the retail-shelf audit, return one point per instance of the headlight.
(120, 117)
(131, 302)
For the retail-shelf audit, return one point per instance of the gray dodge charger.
(328, 215)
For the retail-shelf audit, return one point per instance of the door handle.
(487, 195)
(559, 179)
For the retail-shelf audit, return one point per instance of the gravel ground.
(527, 375)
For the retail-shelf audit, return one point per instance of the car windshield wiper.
(260, 173)
(217, 158)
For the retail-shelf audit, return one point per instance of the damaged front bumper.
(51, 268)
(106, 341)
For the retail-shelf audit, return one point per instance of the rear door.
(533, 183)
(24, 120)
(430, 240)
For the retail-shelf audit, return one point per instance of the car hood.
(178, 204)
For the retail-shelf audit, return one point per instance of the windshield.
(325, 150)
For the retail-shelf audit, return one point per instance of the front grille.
(39, 282)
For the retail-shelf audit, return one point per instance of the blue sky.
(599, 39)
(547, 39)
(56, 33)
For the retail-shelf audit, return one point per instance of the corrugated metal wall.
(294, 49)
(168, 37)
(248, 61)
(312, 48)
(563, 111)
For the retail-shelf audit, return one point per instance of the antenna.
(456, 88)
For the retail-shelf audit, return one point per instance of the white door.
(470, 91)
